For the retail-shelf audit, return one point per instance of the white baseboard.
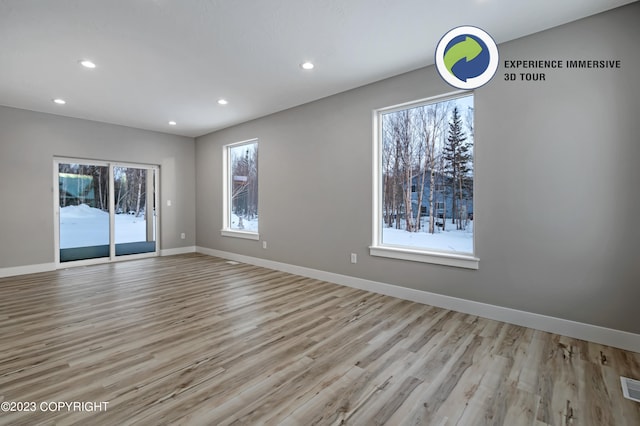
(45, 267)
(577, 330)
(27, 269)
(179, 250)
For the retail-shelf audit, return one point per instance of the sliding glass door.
(104, 210)
(135, 218)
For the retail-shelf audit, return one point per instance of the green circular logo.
(467, 57)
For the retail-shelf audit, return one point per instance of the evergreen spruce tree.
(457, 156)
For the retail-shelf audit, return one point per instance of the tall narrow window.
(241, 190)
(424, 185)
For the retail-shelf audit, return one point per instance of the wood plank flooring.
(192, 339)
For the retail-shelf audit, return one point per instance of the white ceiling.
(162, 60)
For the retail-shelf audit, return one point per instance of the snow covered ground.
(83, 226)
(249, 225)
(460, 241)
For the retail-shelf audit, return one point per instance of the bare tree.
(388, 162)
(403, 135)
(421, 158)
(141, 181)
(393, 174)
(431, 120)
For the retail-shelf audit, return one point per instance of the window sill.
(438, 258)
(240, 234)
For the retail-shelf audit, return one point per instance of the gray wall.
(557, 181)
(28, 143)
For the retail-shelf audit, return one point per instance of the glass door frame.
(155, 169)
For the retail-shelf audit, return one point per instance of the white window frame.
(377, 248)
(226, 230)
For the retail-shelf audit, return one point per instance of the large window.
(423, 184)
(241, 190)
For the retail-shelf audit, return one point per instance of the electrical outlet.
(354, 258)
(168, 203)
(264, 244)
(183, 235)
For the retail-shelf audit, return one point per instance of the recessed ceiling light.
(60, 101)
(172, 123)
(222, 101)
(307, 65)
(87, 63)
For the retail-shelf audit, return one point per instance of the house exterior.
(443, 198)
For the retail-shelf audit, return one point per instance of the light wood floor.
(194, 340)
